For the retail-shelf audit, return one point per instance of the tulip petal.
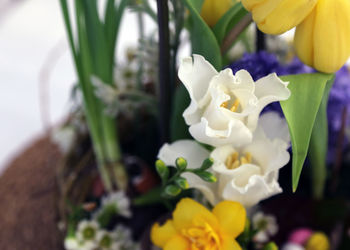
(322, 40)
(231, 216)
(160, 235)
(188, 210)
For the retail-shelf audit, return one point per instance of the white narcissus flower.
(246, 174)
(265, 225)
(224, 107)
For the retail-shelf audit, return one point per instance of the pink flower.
(300, 236)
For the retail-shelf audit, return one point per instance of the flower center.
(231, 105)
(89, 233)
(202, 236)
(106, 241)
(234, 160)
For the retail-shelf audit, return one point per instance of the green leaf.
(319, 146)
(228, 21)
(178, 127)
(202, 38)
(300, 111)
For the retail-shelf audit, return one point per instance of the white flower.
(122, 237)
(71, 243)
(120, 201)
(265, 225)
(106, 241)
(64, 138)
(292, 246)
(224, 107)
(87, 231)
(249, 174)
(246, 174)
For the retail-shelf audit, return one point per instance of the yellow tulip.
(194, 227)
(322, 40)
(213, 10)
(318, 241)
(278, 16)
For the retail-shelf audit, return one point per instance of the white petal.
(196, 75)
(206, 188)
(192, 113)
(268, 89)
(269, 155)
(245, 80)
(188, 149)
(274, 126)
(236, 133)
(256, 190)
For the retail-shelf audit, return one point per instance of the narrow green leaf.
(319, 146)
(300, 111)
(202, 38)
(228, 21)
(178, 127)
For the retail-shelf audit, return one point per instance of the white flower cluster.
(249, 149)
(118, 201)
(89, 236)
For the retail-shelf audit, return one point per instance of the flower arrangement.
(185, 152)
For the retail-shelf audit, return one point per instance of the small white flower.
(87, 231)
(246, 174)
(106, 241)
(265, 225)
(224, 107)
(292, 246)
(122, 238)
(71, 243)
(120, 201)
(64, 138)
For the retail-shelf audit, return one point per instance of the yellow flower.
(318, 241)
(322, 40)
(194, 227)
(213, 10)
(278, 16)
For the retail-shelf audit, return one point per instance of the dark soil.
(28, 214)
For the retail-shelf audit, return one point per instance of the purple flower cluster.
(262, 63)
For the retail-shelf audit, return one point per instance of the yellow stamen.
(224, 104)
(233, 161)
(235, 105)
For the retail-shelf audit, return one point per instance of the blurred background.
(36, 70)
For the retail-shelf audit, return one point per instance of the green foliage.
(200, 31)
(300, 111)
(93, 50)
(319, 146)
(228, 21)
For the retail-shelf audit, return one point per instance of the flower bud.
(213, 10)
(277, 17)
(322, 40)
